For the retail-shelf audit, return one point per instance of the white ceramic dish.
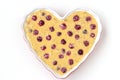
(96, 40)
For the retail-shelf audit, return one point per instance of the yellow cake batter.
(65, 46)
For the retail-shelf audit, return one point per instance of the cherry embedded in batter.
(86, 43)
(59, 33)
(55, 62)
(85, 31)
(68, 53)
(58, 68)
(63, 41)
(43, 47)
(30, 30)
(69, 33)
(77, 36)
(92, 26)
(92, 35)
(76, 18)
(34, 17)
(48, 17)
(71, 46)
(43, 14)
(39, 38)
(46, 55)
(80, 52)
(41, 23)
(35, 32)
(77, 27)
(61, 56)
(63, 50)
(48, 37)
(63, 26)
(63, 70)
(88, 18)
(51, 29)
(53, 46)
(70, 61)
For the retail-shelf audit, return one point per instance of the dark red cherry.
(76, 18)
(80, 52)
(41, 23)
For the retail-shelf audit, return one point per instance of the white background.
(17, 62)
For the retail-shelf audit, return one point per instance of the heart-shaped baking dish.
(62, 43)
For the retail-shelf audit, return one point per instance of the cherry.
(70, 61)
(92, 35)
(61, 56)
(68, 53)
(80, 52)
(35, 32)
(77, 36)
(77, 27)
(48, 17)
(51, 29)
(39, 38)
(55, 62)
(63, 70)
(34, 17)
(43, 47)
(76, 18)
(41, 23)
(53, 46)
(92, 26)
(48, 37)
(88, 18)
(63, 26)
(86, 43)
(46, 55)
(59, 33)
(69, 33)
(71, 46)
(63, 41)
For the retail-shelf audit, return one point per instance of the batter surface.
(61, 44)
